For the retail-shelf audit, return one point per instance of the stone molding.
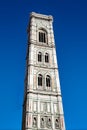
(40, 66)
(41, 44)
(44, 92)
(41, 16)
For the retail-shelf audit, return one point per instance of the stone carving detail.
(42, 122)
(35, 106)
(43, 107)
(45, 122)
(34, 122)
(49, 122)
(57, 123)
(55, 108)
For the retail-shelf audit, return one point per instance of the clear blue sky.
(70, 29)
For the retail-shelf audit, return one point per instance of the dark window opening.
(46, 57)
(34, 122)
(48, 81)
(42, 37)
(40, 80)
(39, 57)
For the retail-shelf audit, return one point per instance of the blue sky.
(70, 29)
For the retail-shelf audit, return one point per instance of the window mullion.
(39, 36)
(44, 38)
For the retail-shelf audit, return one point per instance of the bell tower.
(42, 107)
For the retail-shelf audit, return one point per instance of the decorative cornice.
(41, 44)
(41, 16)
(50, 93)
(45, 67)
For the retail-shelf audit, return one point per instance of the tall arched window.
(39, 56)
(48, 81)
(34, 121)
(46, 57)
(42, 36)
(39, 80)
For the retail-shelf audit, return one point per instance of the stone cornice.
(41, 44)
(46, 113)
(41, 16)
(50, 93)
(45, 67)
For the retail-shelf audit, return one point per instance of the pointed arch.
(40, 79)
(42, 35)
(39, 57)
(48, 81)
(46, 57)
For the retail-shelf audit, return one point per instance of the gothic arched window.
(39, 56)
(42, 36)
(46, 57)
(48, 81)
(39, 80)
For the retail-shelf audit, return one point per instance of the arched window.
(48, 81)
(34, 122)
(42, 36)
(57, 123)
(39, 56)
(42, 122)
(46, 57)
(39, 80)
